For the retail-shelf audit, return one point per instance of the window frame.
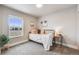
(22, 26)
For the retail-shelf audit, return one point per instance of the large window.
(15, 24)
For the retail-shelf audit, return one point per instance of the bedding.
(45, 39)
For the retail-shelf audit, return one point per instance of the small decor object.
(45, 21)
(41, 22)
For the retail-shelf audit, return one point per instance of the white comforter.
(45, 39)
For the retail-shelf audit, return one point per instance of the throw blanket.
(45, 39)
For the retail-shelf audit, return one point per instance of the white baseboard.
(11, 45)
(68, 45)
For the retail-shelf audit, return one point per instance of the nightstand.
(58, 39)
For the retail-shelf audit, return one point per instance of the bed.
(45, 39)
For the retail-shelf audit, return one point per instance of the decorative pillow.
(42, 32)
(34, 31)
(39, 31)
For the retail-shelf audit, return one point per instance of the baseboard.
(67, 45)
(11, 45)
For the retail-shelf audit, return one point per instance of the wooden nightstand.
(59, 38)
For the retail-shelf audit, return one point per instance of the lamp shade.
(39, 5)
(58, 29)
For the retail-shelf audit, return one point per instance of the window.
(15, 25)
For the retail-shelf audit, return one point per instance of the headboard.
(49, 31)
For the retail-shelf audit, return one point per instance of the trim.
(15, 36)
(68, 45)
(11, 45)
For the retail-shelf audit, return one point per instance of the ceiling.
(33, 10)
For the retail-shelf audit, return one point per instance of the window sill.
(15, 36)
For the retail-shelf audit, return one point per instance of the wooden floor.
(63, 50)
(32, 48)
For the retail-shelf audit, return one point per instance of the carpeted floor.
(32, 48)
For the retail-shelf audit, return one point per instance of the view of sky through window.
(14, 21)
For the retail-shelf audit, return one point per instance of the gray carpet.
(32, 48)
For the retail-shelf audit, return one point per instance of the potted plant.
(3, 40)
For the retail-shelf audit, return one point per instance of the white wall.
(0, 20)
(78, 25)
(67, 20)
(5, 12)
